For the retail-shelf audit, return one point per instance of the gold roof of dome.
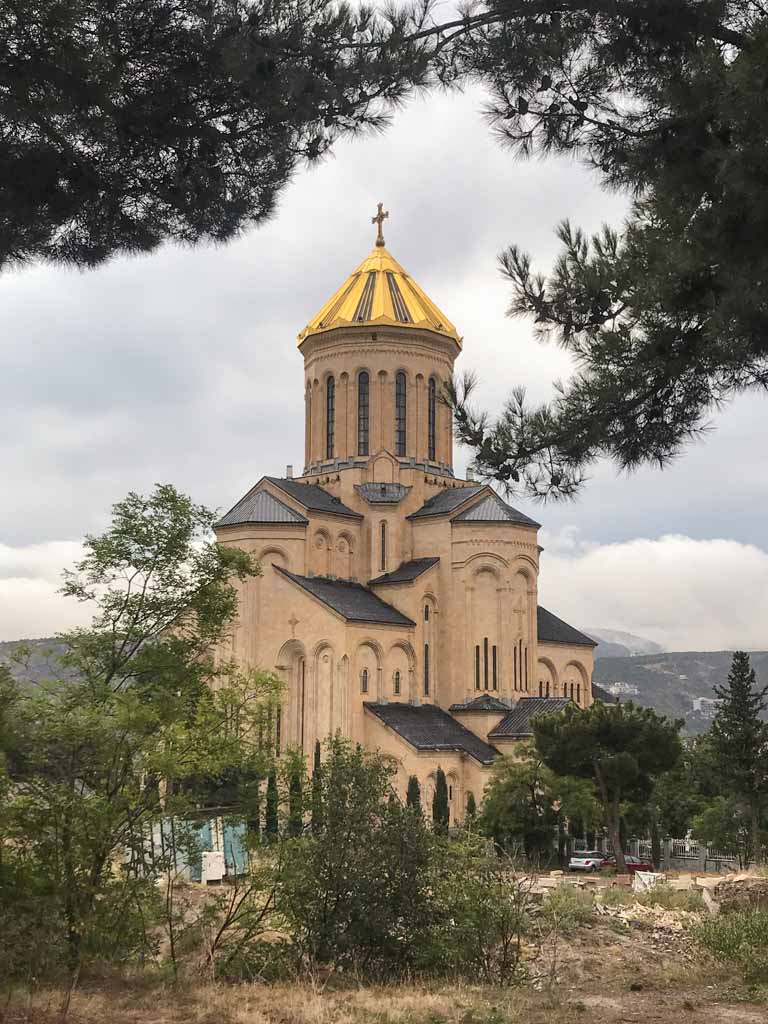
(381, 293)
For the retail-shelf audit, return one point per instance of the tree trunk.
(612, 820)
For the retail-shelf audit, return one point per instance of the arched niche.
(547, 682)
(368, 659)
(575, 682)
(321, 553)
(291, 667)
(324, 683)
(344, 555)
(274, 556)
(400, 666)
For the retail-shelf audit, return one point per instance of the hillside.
(40, 662)
(671, 681)
(615, 643)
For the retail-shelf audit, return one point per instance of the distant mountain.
(614, 643)
(39, 663)
(671, 681)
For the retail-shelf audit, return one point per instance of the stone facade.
(391, 591)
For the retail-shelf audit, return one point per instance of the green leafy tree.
(413, 794)
(142, 704)
(441, 812)
(357, 893)
(470, 820)
(619, 747)
(739, 739)
(271, 820)
(723, 824)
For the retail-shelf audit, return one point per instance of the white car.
(586, 860)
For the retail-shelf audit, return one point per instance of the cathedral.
(397, 602)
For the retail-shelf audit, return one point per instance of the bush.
(568, 908)
(740, 939)
(663, 895)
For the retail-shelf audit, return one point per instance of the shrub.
(740, 939)
(568, 908)
(663, 895)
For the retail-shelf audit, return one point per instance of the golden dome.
(380, 293)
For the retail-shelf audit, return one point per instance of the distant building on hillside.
(620, 688)
(706, 706)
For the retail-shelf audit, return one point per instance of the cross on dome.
(379, 219)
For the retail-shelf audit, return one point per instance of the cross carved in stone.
(293, 623)
(379, 219)
(519, 613)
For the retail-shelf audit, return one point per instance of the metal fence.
(675, 853)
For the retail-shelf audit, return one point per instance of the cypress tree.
(413, 796)
(740, 743)
(471, 811)
(317, 792)
(295, 809)
(270, 822)
(440, 809)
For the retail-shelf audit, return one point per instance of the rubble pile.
(744, 892)
(665, 930)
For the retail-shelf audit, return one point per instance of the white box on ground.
(214, 867)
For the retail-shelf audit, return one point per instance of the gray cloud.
(182, 366)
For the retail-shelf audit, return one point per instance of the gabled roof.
(352, 601)
(406, 572)
(382, 494)
(486, 702)
(551, 630)
(446, 501)
(517, 724)
(313, 497)
(427, 727)
(259, 506)
(379, 291)
(492, 509)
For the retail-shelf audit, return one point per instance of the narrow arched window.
(363, 412)
(383, 547)
(426, 613)
(397, 684)
(485, 663)
(431, 419)
(400, 413)
(578, 693)
(364, 681)
(495, 668)
(330, 417)
(477, 666)
(426, 670)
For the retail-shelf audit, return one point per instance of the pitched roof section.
(427, 727)
(313, 497)
(517, 724)
(380, 292)
(446, 501)
(492, 509)
(406, 572)
(484, 703)
(382, 494)
(259, 506)
(352, 601)
(551, 630)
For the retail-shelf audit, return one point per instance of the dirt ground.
(627, 965)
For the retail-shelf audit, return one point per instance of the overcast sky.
(182, 367)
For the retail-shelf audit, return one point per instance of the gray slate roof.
(486, 702)
(313, 497)
(552, 630)
(260, 507)
(446, 501)
(493, 509)
(517, 724)
(406, 572)
(382, 494)
(427, 727)
(353, 601)
(598, 693)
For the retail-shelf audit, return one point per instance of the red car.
(633, 864)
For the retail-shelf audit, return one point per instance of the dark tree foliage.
(126, 123)
(667, 317)
(295, 804)
(413, 794)
(441, 813)
(317, 790)
(270, 818)
(471, 816)
(739, 740)
(620, 747)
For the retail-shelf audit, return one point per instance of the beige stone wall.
(568, 669)
(343, 355)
